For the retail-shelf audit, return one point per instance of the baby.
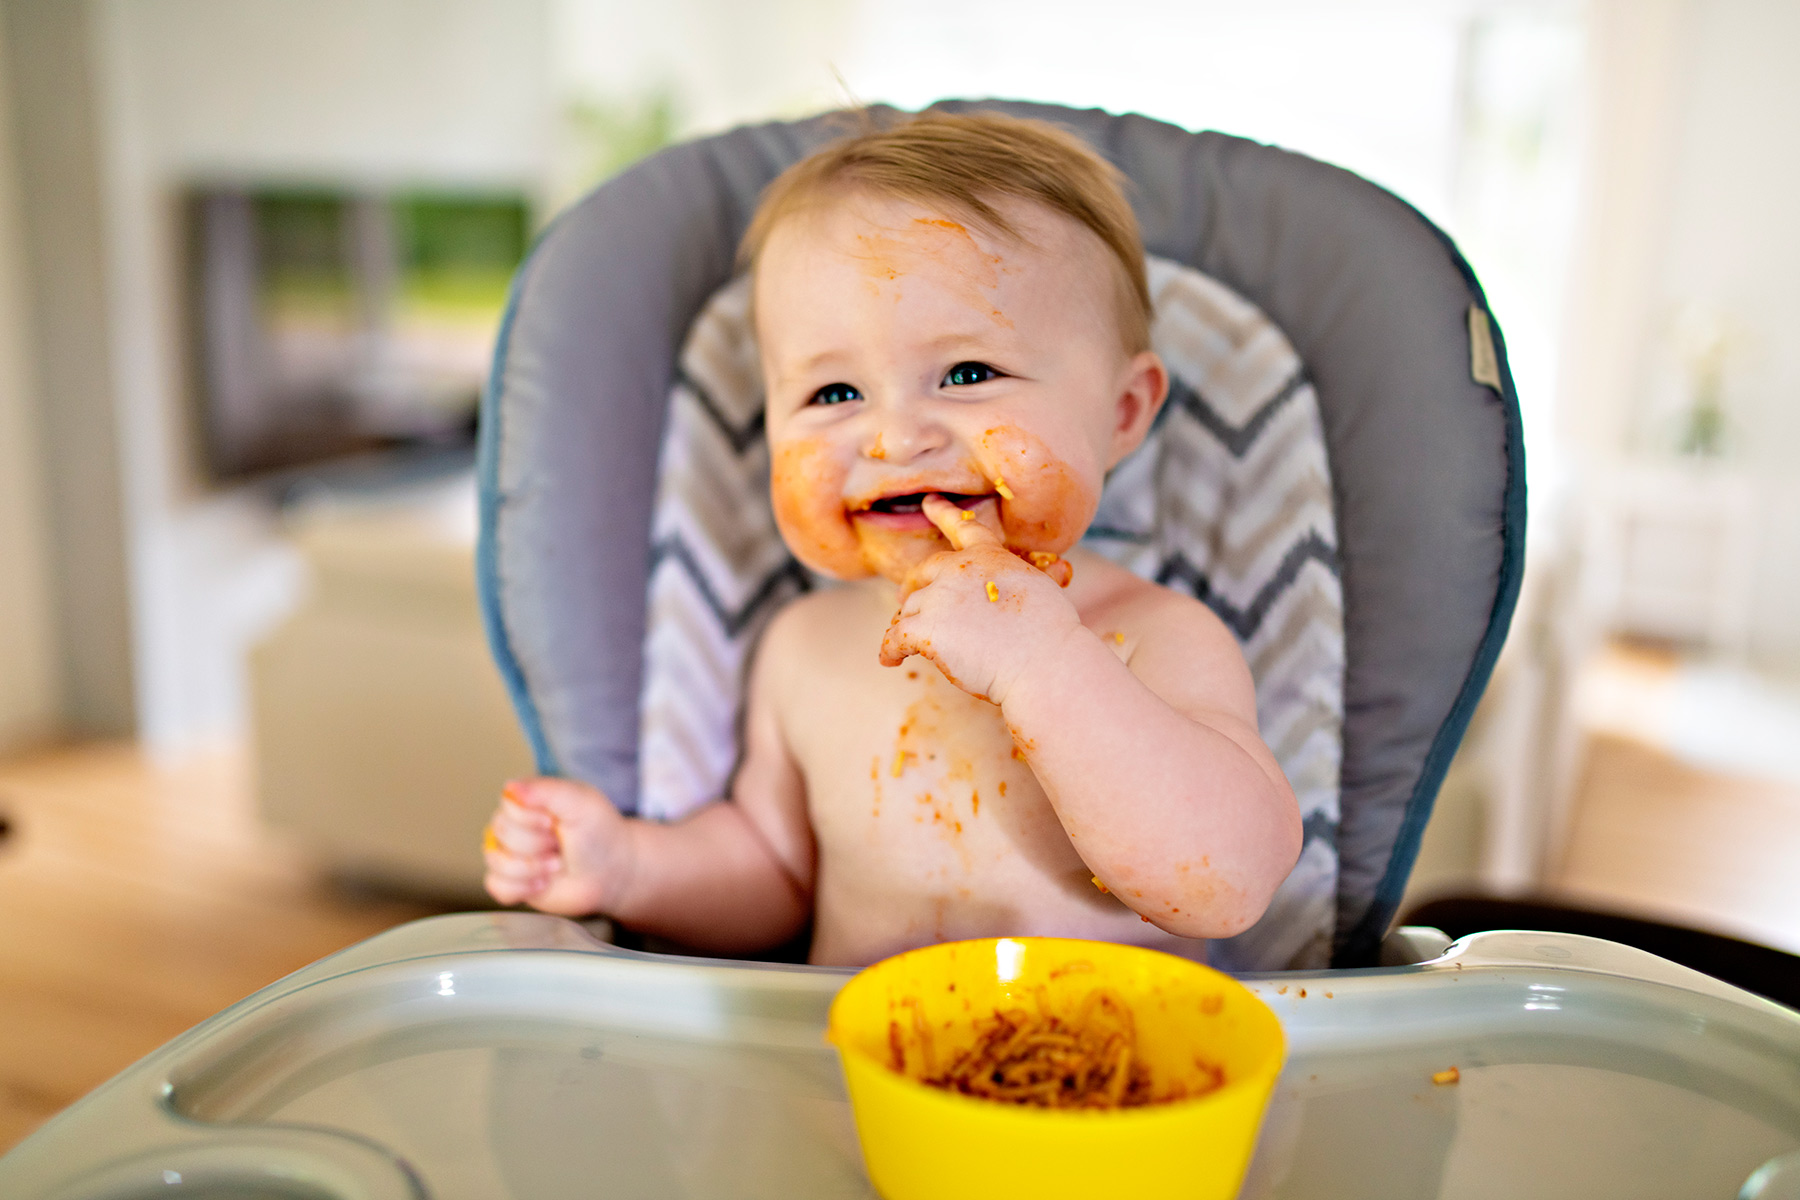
(987, 730)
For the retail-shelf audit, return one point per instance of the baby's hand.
(978, 611)
(557, 845)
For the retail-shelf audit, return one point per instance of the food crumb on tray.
(1447, 1075)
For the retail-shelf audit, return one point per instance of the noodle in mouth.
(1041, 1060)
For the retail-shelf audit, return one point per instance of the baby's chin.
(892, 558)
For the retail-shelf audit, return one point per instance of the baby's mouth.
(913, 502)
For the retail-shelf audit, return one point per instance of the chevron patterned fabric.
(718, 567)
(1228, 499)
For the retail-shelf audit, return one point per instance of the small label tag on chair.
(1484, 364)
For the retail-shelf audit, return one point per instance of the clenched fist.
(559, 846)
(978, 611)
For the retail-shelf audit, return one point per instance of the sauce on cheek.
(1053, 501)
(806, 488)
(1050, 505)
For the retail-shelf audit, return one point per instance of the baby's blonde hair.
(964, 162)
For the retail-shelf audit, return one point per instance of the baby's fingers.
(520, 832)
(559, 802)
(507, 891)
(921, 576)
(892, 653)
(513, 880)
(961, 527)
(898, 643)
(531, 873)
(1053, 565)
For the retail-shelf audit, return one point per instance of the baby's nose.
(903, 436)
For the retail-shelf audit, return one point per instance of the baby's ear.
(1144, 387)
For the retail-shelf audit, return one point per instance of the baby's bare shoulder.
(804, 621)
(1136, 606)
(812, 633)
(816, 664)
(1171, 641)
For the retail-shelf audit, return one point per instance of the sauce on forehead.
(960, 265)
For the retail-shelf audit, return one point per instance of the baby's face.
(905, 352)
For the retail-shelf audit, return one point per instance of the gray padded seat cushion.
(1426, 463)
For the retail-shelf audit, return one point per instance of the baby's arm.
(1157, 773)
(1155, 768)
(735, 876)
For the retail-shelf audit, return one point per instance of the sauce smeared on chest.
(937, 746)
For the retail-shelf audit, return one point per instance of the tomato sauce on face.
(1050, 505)
(1029, 465)
(806, 488)
(1052, 501)
(886, 254)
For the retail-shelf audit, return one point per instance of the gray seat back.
(1421, 424)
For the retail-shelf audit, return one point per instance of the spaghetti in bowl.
(1052, 1067)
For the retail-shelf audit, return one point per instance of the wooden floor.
(134, 903)
(1654, 837)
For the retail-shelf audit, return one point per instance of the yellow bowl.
(926, 1143)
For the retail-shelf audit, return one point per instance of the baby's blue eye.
(835, 393)
(965, 373)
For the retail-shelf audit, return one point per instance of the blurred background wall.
(1619, 172)
(1680, 271)
(75, 521)
(32, 701)
(445, 91)
(252, 258)
(126, 101)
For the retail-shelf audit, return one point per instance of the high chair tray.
(487, 1056)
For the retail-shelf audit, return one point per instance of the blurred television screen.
(330, 324)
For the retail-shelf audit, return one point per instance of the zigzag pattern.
(1245, 622)
(1110, 533)
(740, 436)
(1319, 828)
(1235, 438)
(1229, 499)
(732, 620)
(718, 569)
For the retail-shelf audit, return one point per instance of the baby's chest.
(906, 758)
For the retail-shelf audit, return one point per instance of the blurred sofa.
(382, 730)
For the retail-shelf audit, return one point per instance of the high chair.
(1338, 472)
(1339, 475)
